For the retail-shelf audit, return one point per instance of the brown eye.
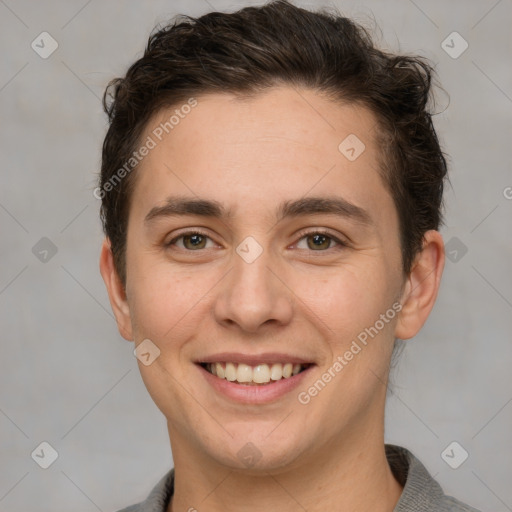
(320, 242)
(190, 241)
(194, 241)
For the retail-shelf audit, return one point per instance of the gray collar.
(421, 492)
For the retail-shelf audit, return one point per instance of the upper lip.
(254, 359)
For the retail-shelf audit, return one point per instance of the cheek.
(348, 300)
(350, 303)
(164, 301)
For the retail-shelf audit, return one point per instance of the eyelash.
(303, 234)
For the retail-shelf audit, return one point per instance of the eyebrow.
(181, 206)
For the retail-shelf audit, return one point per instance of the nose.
(254, 294)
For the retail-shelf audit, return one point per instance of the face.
(257, 248)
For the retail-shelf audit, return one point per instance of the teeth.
(230, 372)
(276, 372)
(219, 370)
(260, 374)
(244, 373)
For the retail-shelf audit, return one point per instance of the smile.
(258, 375)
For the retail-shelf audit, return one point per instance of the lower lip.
(259, 394)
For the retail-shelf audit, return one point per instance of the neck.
(340, 475)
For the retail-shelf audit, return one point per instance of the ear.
(421, 287)
(116, 291)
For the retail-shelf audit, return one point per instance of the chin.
(258, 453)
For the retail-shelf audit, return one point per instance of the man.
(271, 193)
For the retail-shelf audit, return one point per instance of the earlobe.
(116, 291)
(422, 286)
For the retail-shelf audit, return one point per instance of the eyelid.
(340, 241)
(195, 231)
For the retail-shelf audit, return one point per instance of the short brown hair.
(256, 48)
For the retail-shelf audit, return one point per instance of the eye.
(191, 240)
(320, 241)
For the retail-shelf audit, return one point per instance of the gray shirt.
(421, 493)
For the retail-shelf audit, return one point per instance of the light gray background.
(68, 378)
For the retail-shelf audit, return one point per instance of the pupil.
(195, 240)
(319, 238)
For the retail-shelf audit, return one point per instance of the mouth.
(262, 374)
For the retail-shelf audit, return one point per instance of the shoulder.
(159, 497)
(420, 491)
(453, 505)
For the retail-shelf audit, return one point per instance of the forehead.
(284, 143)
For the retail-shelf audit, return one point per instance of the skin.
(295, 298)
